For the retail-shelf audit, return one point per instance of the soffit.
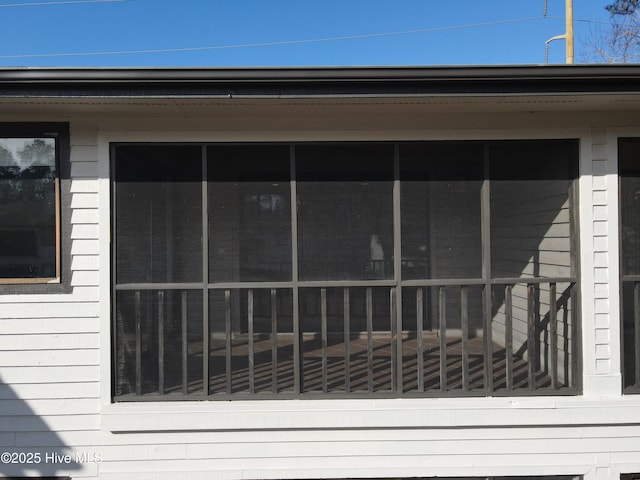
(427, 103)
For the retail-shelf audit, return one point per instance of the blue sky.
(288, 32)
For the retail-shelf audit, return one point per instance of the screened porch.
(411, 269)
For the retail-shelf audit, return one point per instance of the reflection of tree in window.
(27, 207)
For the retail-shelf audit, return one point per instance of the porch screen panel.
(530, 208)
(345, 212)
(249, 213)
(532, 238)
(159, 220)
(441, 210)
(629, 167)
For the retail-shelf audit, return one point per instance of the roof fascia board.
(318, 82)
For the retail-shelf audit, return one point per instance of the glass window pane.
(159, 213)
(27, 207)
(345, 212)
(440, 210)
(249, 213)
(531, 208)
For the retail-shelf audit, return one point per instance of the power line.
(61, 2)
(274, 44)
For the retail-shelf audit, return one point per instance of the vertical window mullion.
(298, 386)
(205, 274)
(396, 335)
(486, 272)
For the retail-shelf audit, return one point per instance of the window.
(30, 202)
(344, 269)
(629, 171)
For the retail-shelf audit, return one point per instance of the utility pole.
(569, 30)
(568, 35)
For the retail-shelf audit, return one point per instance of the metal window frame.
(395, 285)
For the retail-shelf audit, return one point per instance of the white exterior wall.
(55, 349)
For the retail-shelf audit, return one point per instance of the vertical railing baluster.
(508, 335)
(394, 340)
(227, 333)
(161, 342)
(185, 341)
(575, 358)
(323, 330)
(347, 339)
(420, 336)
(274, 342)
(442, 322)
(369, 294)
(553, 333)
(531, 328)
(252, 374)
(298, 354)
(138, 320)
(464, 323)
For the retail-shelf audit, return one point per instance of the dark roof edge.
(319, 81)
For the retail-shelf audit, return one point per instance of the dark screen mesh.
(530, 208)
(440, 210)
(249, 213)
(159, 214)
(629, 153)
(345, 212)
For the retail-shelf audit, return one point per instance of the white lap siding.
(50, 348)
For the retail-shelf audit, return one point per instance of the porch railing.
(506, 338)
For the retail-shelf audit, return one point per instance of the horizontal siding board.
(35, 358)
(85, 231)
(73, 438)
(322, 436)
(353, 463)
(556, 230)
(85, 262)
(43, 407)
(367, 448)
(53, 341)
(84, 216)
(85, 247)
(83, 169)
(50, 374)
(83, 133)
(79, 294)
(49, 423)
(61, 390)
(85, 278)
(7, 439)
(79, 324)
(84, 200)
(51, 470)
(32, 310)
(84, 153)
(84, 185)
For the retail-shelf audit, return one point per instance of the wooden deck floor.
(325, 370)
